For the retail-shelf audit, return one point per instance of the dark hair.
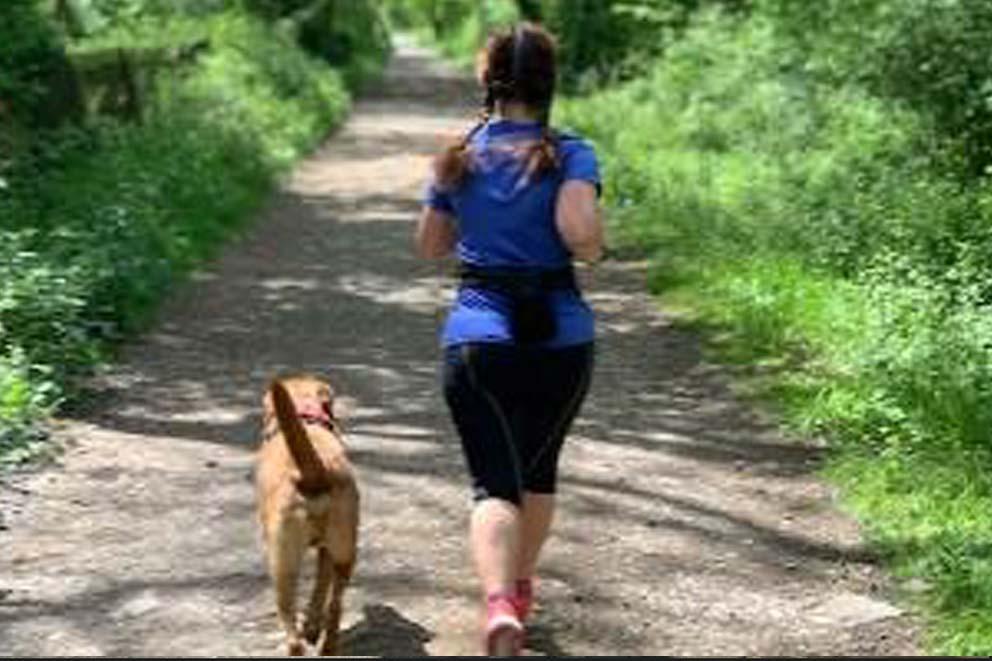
(516, 65)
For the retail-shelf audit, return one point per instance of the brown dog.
(307, 496)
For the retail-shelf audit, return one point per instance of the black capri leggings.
(512, 406)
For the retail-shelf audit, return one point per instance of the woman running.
(518, 201)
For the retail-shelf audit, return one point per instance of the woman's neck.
(516, 112)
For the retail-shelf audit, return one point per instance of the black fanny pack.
(532, 319)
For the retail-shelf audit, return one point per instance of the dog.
(307, 496)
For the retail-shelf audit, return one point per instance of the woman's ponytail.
(451, 166)
(545, 156)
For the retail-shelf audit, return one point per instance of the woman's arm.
(579, 219)
(436, 235)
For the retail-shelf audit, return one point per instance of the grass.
(826, 243)
(796, 340)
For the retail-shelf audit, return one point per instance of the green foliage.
(272, 88)
(810, 204)
(931, 54)
(26, 395)
(353, 38)
(936, 55)
(81, 19)
(97, 223)
(464, 42)
(459, 27)
(272, 9)
(601, 40)
(442, 17)
(30, 57)
(617, 39)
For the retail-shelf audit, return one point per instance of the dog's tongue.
(314, 411)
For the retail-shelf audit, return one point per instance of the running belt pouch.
(532, 316)
(532, 319)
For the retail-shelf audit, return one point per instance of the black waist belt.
(532, 317)
(517, 280)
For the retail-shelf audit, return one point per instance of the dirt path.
(688, 527)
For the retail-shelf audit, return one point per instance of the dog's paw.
(296, 648)
(312, 630)
(330, 646)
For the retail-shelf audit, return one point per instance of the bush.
(601, 40)
(812, 205)
(97, 223)
(259, 82)
(26, 395)
(354, 40)
(458, 27)
(931, 54)
(464, 42)
(33, 71)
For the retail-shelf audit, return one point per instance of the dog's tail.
(313, 475)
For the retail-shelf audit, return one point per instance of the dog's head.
(306, 387)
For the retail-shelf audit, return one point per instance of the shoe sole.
(502, 624)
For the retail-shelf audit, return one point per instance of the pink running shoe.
(502, 621)
(524, 598)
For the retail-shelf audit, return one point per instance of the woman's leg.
(480, 406)
(536, 517)
(545, 424)
(495, 539)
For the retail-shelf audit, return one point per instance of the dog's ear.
(325, 393)
(328, 399)
(343, 408)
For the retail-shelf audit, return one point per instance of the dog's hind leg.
(285, 557)
(343, 550)
(314, 622)
(342, 576)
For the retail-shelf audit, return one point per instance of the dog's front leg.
(314, 622)
(285, 557)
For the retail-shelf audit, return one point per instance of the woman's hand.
(579, 220)
(436, 234)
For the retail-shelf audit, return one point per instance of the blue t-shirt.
(506, 218)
